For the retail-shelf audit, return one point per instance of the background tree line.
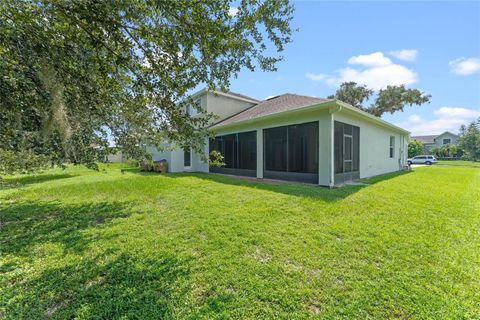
(467, 147)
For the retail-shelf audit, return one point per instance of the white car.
(428, 160)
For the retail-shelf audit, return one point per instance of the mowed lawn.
(77, 243)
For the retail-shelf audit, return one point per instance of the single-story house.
(295, 138)
(437, 140)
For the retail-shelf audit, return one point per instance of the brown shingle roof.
(425, 139)
(284, 102)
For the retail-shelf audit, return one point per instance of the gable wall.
(224, 107)
(446, 135)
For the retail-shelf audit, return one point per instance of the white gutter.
(371, 117)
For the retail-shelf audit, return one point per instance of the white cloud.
(375, 59)
(405, 54)
(315, 77)
(445, 119)
(374, 70)
(232, 11)
(463, 113)
(379, 77)
(465, 67)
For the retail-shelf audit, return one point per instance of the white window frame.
(449, 141)
(193, 109)
(392, 147)
(191, 158)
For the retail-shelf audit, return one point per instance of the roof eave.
(371, 116)
(323, 104)
(225, 94)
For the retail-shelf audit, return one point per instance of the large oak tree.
(73, 73)
(389, 99)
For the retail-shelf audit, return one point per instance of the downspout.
(332, 156)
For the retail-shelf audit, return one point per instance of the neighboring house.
(436, 141)
(296, 138)
(116, 157)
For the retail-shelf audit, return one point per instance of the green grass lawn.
(460, 163)
(83, 244)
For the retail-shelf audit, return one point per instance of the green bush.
(25, 161)
(415, 148)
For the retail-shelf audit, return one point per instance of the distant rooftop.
(430, 138)
(426, 139)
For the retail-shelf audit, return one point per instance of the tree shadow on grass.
(28, 224)
(294, 189)
(126, 286)
(22, 181)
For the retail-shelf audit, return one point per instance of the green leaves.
(415, 148)
(469, 140)
(352, 93)
(390, 99)
(122, 71)
(394, 98)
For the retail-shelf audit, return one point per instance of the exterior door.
(347, 156)
(346, 150)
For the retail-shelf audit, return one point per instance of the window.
(187, 157)
(292, 148)
(247, 150)
(447, 141)
(239, 150)
(275, 146)
(303, 148)
(392, 146)
(193, 110)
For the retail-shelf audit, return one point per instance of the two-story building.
(293, 137)
(436, 141)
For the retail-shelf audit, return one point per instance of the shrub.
(25, 161)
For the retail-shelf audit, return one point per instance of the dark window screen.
(303, 148)
(229, 148)
(292, 148)
(216, 144)
(346, 147)
(247, 150)
(239, 150)
(275, 149)
(187, 157)
(338, 146)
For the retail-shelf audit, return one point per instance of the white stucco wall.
(224, 107)
(116, 158)
(375, 145)
(158, 155)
